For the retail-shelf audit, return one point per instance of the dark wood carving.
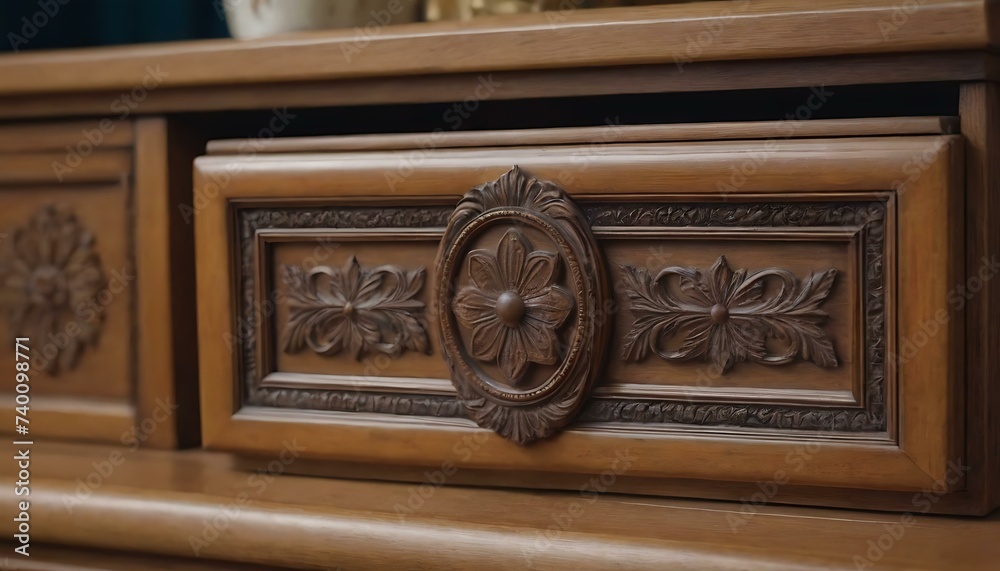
(52, 278)
(253, 313)
(355, 309)
(724, 316)
(514, 309)
(517, 309)
(869, 216)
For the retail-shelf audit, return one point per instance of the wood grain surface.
(158, 503)
(735, 30)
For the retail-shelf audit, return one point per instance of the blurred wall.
(47, 24)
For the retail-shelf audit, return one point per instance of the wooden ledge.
(674, 34)
(177, 503)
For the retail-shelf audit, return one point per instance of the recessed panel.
(767, 332)
(68, 284)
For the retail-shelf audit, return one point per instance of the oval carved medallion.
(520, 289)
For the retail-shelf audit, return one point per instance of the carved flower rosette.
(520, 284)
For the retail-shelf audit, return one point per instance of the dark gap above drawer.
(915, 99)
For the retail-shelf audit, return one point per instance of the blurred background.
(48, 24)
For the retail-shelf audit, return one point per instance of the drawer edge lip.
(253, 430)
(606, 134)
(147, 511)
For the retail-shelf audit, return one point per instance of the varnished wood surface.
(136, 379)
(61, 558)
(526, 84)
(980, 108)
(605, 134)
(761, 29)
(168, 350)
(628, 170)
(156, 502)
(40, 168)
(34, 137)
(798, 170)
(73, 418)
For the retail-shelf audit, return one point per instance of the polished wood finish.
(58, 558)
(578, 38)
(104, 189)
(36, 137)
(158, 503)
(526, 84)
(67, 278)
(745, 130)
(882, 230)
(168, 352)
(509, 308)
(692, 168)
(797, 170)
(979, 295)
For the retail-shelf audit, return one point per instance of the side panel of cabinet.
(84, 255)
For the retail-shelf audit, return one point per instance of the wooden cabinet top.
(675, 39)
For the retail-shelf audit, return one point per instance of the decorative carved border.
(253, 317)
(868, 215)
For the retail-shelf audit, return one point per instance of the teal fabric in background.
(49, 24)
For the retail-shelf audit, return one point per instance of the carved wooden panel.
(52, 276)
(798, 394)
(523, 277)
(67, 282)
(398, 349)
(354, 309)
(812, 238)
(724, 316)
(514, 274)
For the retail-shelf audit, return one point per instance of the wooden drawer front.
(77, 273)
(584, 302)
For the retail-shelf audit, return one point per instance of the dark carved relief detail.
(355, 401)
(724, 316)
(513, 309)
(767, 214)
(51, 277)
(870, 216)
(517, 310)
(355, 309)
(253, 315)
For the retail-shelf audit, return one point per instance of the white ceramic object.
(258, 18)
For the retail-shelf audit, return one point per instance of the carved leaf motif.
(520, 427)
(354, 309)
(723, 315)
(50, 282)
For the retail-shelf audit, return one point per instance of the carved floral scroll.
(50, 278)
(354, 309)
(726, 316)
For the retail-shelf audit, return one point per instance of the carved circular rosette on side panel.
(520, 289)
